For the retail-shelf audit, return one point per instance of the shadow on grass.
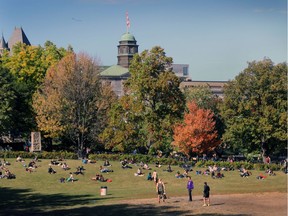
(16, 202)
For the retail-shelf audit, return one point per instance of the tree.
(28, 66)
(153, 102)
(196, 134)
(7, 96)
(255, 108)
(72, 103)
(205, 99)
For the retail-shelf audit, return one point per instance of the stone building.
(117, 74)
(17, 36)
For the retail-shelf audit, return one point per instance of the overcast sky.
(215, 37)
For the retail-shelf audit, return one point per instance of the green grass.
(40, 192)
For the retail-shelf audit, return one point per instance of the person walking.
(206, 193)
(160, 189)
(190, 187)
(155, 176)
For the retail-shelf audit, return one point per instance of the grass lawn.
(40, 193)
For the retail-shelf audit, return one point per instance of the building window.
(185, 71)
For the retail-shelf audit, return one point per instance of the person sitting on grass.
(65, 166)
(139, 172)
(146, 167)
(107, 163)
(70, 178)
(8, 174)
(270, 172)
(149, 176)
(157, 164)
(219, 175)
(51, 170)
(19, 159)
(125, 164)
(6, 163)
(179, 175)
(96, 177)
(245, 173)
(32, 165)
(169, 169)
(29, 169)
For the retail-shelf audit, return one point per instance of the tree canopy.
(153, 102)
(72, 102)
(27, 65)
(7, 96)
(255, 108)
(196, 134)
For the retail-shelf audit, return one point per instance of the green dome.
(127, 37)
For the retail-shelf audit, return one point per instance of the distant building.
(17, 36)
(117, 74)
(215, 86)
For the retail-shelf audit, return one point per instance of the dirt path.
(234, 204)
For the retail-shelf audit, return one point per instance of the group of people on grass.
(214, 171)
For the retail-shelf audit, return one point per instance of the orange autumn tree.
(197, 133)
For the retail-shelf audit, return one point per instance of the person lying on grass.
(99, 177)
(105, 169)
(79, 170)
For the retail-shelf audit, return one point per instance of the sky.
(217, 38)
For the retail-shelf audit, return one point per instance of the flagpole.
(127, 22)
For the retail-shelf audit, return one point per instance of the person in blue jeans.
(190, 187)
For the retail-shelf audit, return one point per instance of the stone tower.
(126, 49)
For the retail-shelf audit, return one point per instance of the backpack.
(160, 187)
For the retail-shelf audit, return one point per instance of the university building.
(17, 36)
(117, 74)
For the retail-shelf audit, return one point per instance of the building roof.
(220, 84)
(127, 37)
(18, 36)
(115, 71)
(3, 44)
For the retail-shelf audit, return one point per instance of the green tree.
(153, 103)
(255, 108)
(203, 97)
(28, 66)
(7, 97)
(72, 103)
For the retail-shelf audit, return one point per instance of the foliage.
(142, 119)
(28, 66)
(40, 155)
(197, 132)
(7, 96)
(72, 103)
(255, 108)
(205, 99)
